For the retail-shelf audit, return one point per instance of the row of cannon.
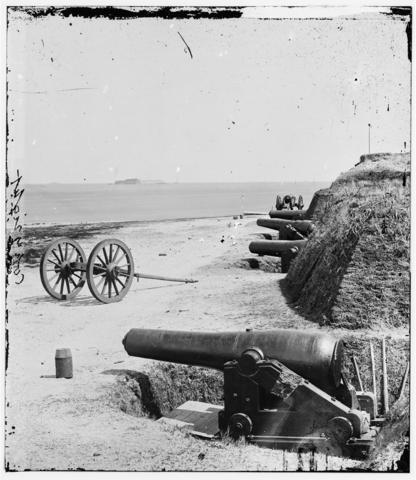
(294, 228)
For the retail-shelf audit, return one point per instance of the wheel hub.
(65, 270)
(111, 271)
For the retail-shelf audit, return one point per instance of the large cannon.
(305, 227)
(298, 214)
(289, 214)
(282, 388)
(275, 248)
(287, 249)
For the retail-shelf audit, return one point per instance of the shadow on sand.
(74, 302)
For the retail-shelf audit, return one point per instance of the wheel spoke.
(109, 287)
(79, 276)
(56, 256)
(66, 250)
(111, 252)
(102, 261)
(99, 274)
(100, 282)
(72, 252)
(125, 265)
(73, 283)
(62, 285)
(52, 278)
(120, 282)
(60, 251)
(105, 256)
(56, 283)
(105, 283)
(122, 257)
(67, 285)
(115, 255)
(115, 286)
(123, 273)
(53, 262)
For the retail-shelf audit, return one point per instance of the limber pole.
(162, 277)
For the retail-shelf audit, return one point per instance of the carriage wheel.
(62, 269)
(110, 271)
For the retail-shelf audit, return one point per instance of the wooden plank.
(201, 418)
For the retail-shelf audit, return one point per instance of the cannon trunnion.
(282, 388)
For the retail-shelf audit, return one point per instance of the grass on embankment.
(355, 270)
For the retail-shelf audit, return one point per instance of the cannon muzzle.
(303, 226)
(274, 247)
(316, 357)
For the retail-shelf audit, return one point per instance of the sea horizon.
(163, 182)
(57, 203)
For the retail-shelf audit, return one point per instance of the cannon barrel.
(303, 226)
(289, 214)
(316, 357)
(274, 247)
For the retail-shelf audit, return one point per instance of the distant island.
(136, 181)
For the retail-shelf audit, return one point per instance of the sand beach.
(86, 417)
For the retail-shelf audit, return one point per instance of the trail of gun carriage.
(260, 342)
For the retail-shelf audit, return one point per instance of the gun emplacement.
(282, 388)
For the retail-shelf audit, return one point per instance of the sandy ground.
(74, 424)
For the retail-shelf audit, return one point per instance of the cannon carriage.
(289, 202)
(108, 271)
(282, 388)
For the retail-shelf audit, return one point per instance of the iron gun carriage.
(282, 388)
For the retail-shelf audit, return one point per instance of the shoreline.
(126, 223)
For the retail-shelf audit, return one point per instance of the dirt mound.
(355, 270)
(390, 449)
(266, 264)
(164, 387)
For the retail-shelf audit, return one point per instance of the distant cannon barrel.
(316, 357)
(303, 226)
(299, 214)
(289, 214)
(274, 247)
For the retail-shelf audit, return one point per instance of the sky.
(207, 100)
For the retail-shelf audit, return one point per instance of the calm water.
(85, 203)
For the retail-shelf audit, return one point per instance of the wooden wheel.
(62, 269)
(110, 271)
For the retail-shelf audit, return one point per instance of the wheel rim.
(110, 271)
(62, 269)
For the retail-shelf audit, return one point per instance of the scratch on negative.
(187, 46)
(43, 92)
